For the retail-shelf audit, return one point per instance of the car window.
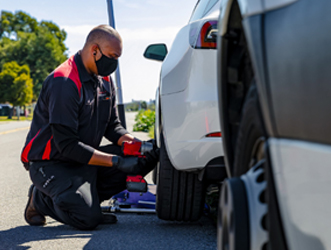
(210, 5)
(199, 10)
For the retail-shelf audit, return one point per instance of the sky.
(139, 22)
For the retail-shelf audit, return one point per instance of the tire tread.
(180, 195)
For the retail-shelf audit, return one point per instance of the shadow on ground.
(14, 238)
(131, 232)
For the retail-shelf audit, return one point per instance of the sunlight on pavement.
(74, 241)
(13, 130)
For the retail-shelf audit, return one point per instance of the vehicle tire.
(249, 167)
(233, 220)
(250, 140)
(155, 170)
(154, 174)
(180, 195)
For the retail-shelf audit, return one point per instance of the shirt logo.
(104, 95)
(89, 102)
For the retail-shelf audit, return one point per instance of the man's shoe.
(31, 215)
(109, 218)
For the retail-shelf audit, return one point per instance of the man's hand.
(153, 141)
(152, 157)
(149, 162)
(129, 165)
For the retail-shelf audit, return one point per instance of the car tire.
(180, 195)
(154, 173)
(250, 135)
(249, 157)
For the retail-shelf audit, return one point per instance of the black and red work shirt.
(72, 100)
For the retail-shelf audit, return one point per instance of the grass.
(14, 118)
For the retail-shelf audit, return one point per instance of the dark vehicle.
(5, 109)
(274, 82)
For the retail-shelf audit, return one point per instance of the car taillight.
(208, 36)
(216, 134)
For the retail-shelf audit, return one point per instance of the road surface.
(132, 231)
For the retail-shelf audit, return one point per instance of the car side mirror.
(156, 52)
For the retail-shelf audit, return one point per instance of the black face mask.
(106, 65)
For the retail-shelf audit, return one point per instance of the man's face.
(112, 49)
(106, 57)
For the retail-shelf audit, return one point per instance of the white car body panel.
(302, 173)
(176, 66)
(189, 107)
(157, 118)
(275, 4)
(248, 8)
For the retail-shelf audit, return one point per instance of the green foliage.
(151, 106)
(21, 118)
(151, 132)
(11, 23)
(144, 120)
(134, 106)
(143, 105)
(39, 45)
(15, 84)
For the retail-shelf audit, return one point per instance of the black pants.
(71, 193)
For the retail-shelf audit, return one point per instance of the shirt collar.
(83, 74)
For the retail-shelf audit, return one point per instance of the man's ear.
(94, 48)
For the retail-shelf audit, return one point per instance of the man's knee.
(79, 209)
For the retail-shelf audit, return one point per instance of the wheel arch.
(231, 74)
(240, 60)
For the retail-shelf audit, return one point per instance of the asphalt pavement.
(132, 231)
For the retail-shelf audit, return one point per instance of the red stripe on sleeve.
(69, 70)
(24, 156)
(106, 78)
(48, 149)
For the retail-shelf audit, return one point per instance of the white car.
(275, 98)
(187, 127)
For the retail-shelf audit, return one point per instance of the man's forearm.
(129, 165)
(101, 159)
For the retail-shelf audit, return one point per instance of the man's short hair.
(102, 33)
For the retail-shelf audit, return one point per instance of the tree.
(40, 45)
(143, 105)
(15, 84)
(11, 24)
(151, 106)
(134, 106)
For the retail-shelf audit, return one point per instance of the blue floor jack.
(139, 197)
